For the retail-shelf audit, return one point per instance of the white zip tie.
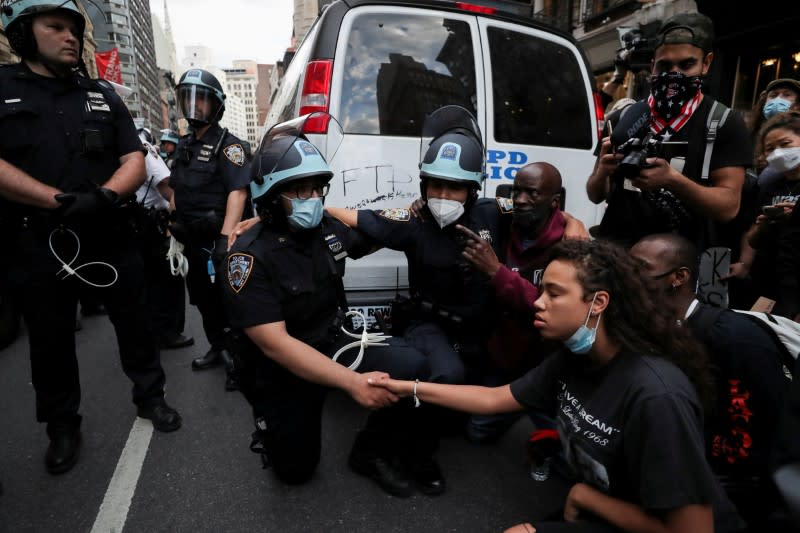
(178, 264)
(365, 339)
(67, 267)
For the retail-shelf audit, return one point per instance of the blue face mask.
(583, 339)
(306, 214)
(775, 106)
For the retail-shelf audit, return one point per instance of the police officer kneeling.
(283, 289)
(68, 152)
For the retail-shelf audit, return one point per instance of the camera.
(636, 152)
(640, 44)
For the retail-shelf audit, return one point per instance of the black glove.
(220, 251)
(82, 205)
(178, 230)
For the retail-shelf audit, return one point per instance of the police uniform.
(206, 170)
(450, 319)
(275, 275)
(165, 293)
(70, 133)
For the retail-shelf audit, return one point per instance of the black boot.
(366, 459)
(173, 341)
(64, 448)
(427, 475)
(211, 359)
(163, 417)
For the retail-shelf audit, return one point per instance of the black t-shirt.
(632, 215)
(274, 275)
(764, 267)
(632, 429)
(437, 272)
(750, 391)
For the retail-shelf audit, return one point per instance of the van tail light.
(472, 8)
(599, 114)
(316, 94)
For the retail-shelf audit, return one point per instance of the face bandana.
(784, 159)
(445, 212)
(306, 214)
(775, 106)
(674, 97)
(583, 339)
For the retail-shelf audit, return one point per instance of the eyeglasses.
(665, 274)
(304, 191)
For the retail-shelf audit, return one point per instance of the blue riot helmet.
(17, 17)
(455, 150)
(283, 159)
(168, 143)
(201, 98)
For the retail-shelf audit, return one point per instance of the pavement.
(204, 478)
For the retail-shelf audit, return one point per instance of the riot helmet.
(453, 149)
(169, 140)
(201, 98)
(146, 136)
(17, 17)
(286, 156)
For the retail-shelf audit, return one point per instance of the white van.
(380, 67)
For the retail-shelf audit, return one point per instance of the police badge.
(239, 268)
(397, 214)
(235, 154)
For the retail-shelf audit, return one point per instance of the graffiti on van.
(406, 195)
(384, 177)
(504, 165)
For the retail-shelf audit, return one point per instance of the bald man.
(535, 224)
(750, 380)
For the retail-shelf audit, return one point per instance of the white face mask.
(445, 211)
(784, 159)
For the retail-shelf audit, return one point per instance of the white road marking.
(114, 509)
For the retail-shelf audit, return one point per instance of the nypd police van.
(379, 67)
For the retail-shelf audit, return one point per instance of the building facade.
(126, 25)
(243, 83)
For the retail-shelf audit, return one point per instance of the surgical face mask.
(306, 214)
(784, 159)
(583, 339)
(775, 106)
(445, 212)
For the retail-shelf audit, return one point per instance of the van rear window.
(400, 67)
(539, 93)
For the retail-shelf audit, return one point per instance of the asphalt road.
(204, 478)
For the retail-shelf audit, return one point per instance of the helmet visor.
(198, 104)
(445, 119)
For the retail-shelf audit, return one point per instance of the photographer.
(680, 186)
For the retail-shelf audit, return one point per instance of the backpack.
(784, 332)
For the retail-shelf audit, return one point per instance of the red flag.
(108, 65)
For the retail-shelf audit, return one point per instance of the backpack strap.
(716, 119)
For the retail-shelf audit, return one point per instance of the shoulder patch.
(505, 205)
(396, 213)
(239, 268)
(235, 154)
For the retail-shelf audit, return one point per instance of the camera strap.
(716, 119)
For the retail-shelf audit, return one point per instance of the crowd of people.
(672, 414)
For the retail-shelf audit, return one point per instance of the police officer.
(210, 179)
(166, 300)
(68, 154)
(168, 145)
(451, 301)
(283, 288)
